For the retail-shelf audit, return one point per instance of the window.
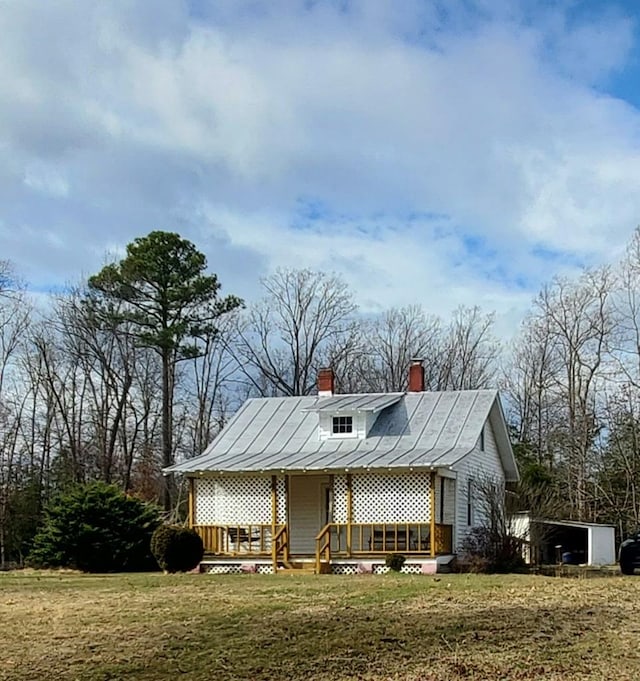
(342, 424)
(482, 440)
(470, 490)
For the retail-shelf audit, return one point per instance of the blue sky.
(434, 153)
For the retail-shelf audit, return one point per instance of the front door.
(309, 511)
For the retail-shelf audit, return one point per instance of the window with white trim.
(470, 493)
(342, 425)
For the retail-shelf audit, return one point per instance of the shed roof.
(564, 523)
(365, 402)
(413, 430)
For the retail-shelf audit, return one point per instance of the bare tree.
(207, 387)
(140, 439)
(14, 322)
(624, 342)
(391, 340)
(468, 359)
(491, 546)
(8, 280)
(305, 321)
(106, 356)
(579, 324)
(528, 382)
(618, 466)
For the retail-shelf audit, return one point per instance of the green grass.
(156, 627)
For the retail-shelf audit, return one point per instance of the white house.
(336, 482)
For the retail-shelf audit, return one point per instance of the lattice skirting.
(344, 570)
(222, 569)
(376, 569)
(336, 569)
(407, 569)
(236, 568)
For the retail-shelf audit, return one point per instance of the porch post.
(274, 503)
(432, 514)
(287, 496)
(191, 502)
(349, 512)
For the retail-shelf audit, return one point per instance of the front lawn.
(156, 627)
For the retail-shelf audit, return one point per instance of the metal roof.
(564, 523)
(367, 402)
(425, 430)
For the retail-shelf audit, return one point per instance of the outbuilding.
(565, 541)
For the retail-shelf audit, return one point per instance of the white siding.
(233, 500)
(306, 511)
(391, 498)
(439, 499)
(445, 501)
(477, 465)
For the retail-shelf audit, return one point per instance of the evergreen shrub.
(177, 549)
(96, 528)
(395, 561)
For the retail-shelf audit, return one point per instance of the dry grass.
(155, 628)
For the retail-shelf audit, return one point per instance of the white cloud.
(46, 179)
(448, 150)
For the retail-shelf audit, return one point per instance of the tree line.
(145, 361)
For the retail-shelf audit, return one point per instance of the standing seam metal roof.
(367, 402)
(427, 429)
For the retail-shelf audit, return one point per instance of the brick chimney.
(416, 376)
(325, 382)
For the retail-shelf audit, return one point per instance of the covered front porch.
(320, 520)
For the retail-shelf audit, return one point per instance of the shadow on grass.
(387, 642)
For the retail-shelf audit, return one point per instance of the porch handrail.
(280, 547)
(211, 536)
(236, 539)
(334, 539)
(362, 539)
(323, 546)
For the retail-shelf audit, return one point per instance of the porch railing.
(280, 547)
(323, 548)
(256, 539)
(340, 539)
(443, 539)
(336, 539)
